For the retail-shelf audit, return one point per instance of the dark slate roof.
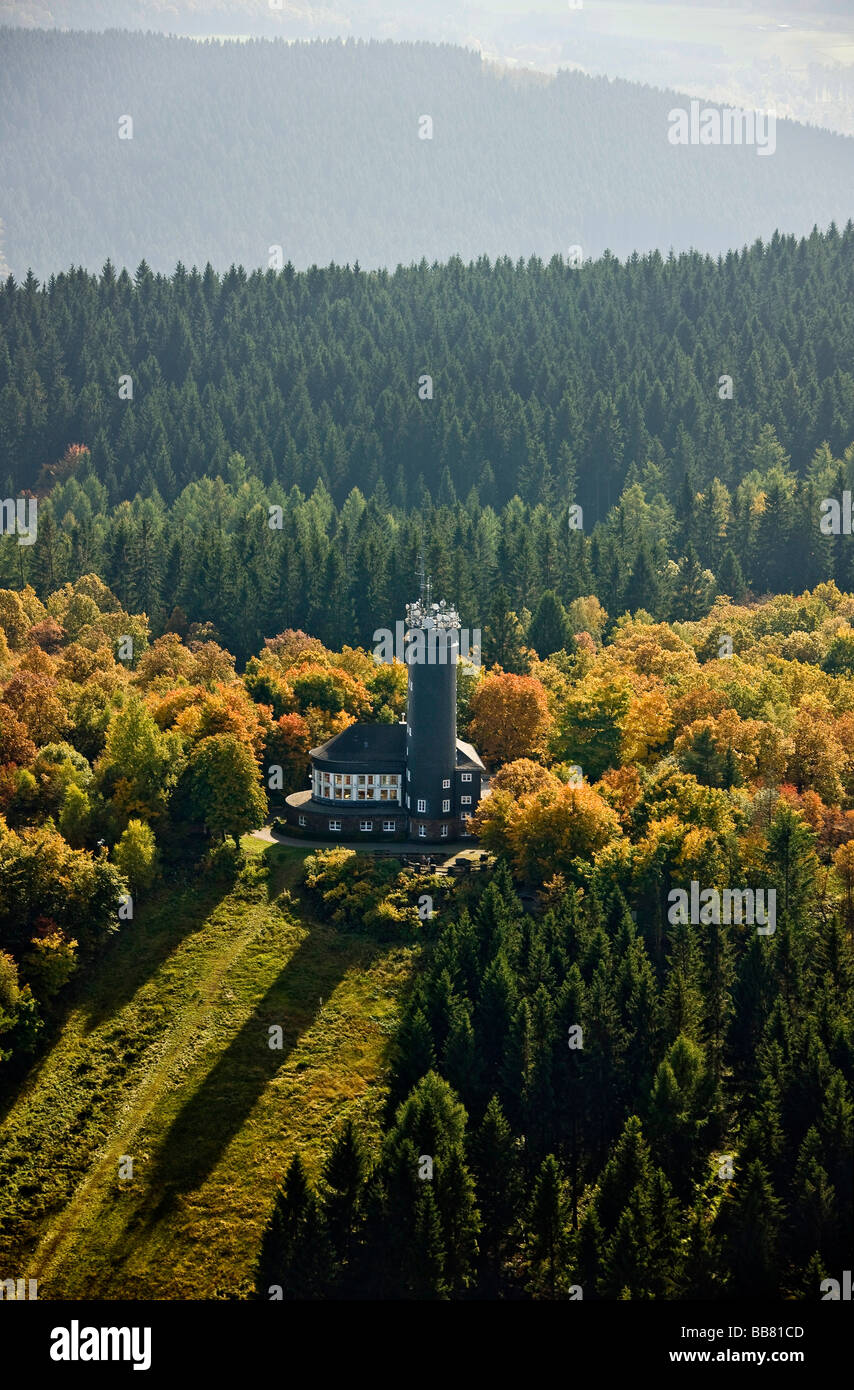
(365, 746)
(376, 810)
(467, 757)
(378, 748)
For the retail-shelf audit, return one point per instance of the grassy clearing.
(164, 1058)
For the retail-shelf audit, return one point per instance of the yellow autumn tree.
(817, 756)
(843, 863)
(522, 777)
(549, 830)
(645, 726)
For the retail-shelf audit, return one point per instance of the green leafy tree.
(75, 816)
(136, 855)
(139, 765)
(224, 790)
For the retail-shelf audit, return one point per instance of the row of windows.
(345, 786)
(361, 779)
(390, 825)
(464, 777)
(361, 786)
(374, 779)
(443, 830)
(363, 824)
(421, 806)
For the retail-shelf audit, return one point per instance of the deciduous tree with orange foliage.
(288, 743)
(226, 709)
(646, 725)
(32, 695)
(510, 718)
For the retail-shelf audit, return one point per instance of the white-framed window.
(465, 815)
(465, 800)
(366, 825)
(446, 783)
(335, 825)
(409, 731)
(302, 820)
(465, 777)
(388, 825)
(422, 832)
(421, 808)
(408, 775)
(444, 832)
(446, 806)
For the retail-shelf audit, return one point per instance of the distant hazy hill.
(263, 18)
(315, 147)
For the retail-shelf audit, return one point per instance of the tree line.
(547, 382)
(244, 560)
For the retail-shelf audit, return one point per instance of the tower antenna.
(424, 580)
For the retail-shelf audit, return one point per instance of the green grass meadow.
(163, 1058)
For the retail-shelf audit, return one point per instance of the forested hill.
(598, 386)
(317, 148)
(548, 382)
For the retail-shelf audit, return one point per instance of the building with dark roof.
(409, 781)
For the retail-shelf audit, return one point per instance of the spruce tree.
(749, 1223)
(691, 589)
(547, 1224)
(343, 1179)
(496, 1167)
(729, 576)
(549, 631)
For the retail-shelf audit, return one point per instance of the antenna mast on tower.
(425, 581)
